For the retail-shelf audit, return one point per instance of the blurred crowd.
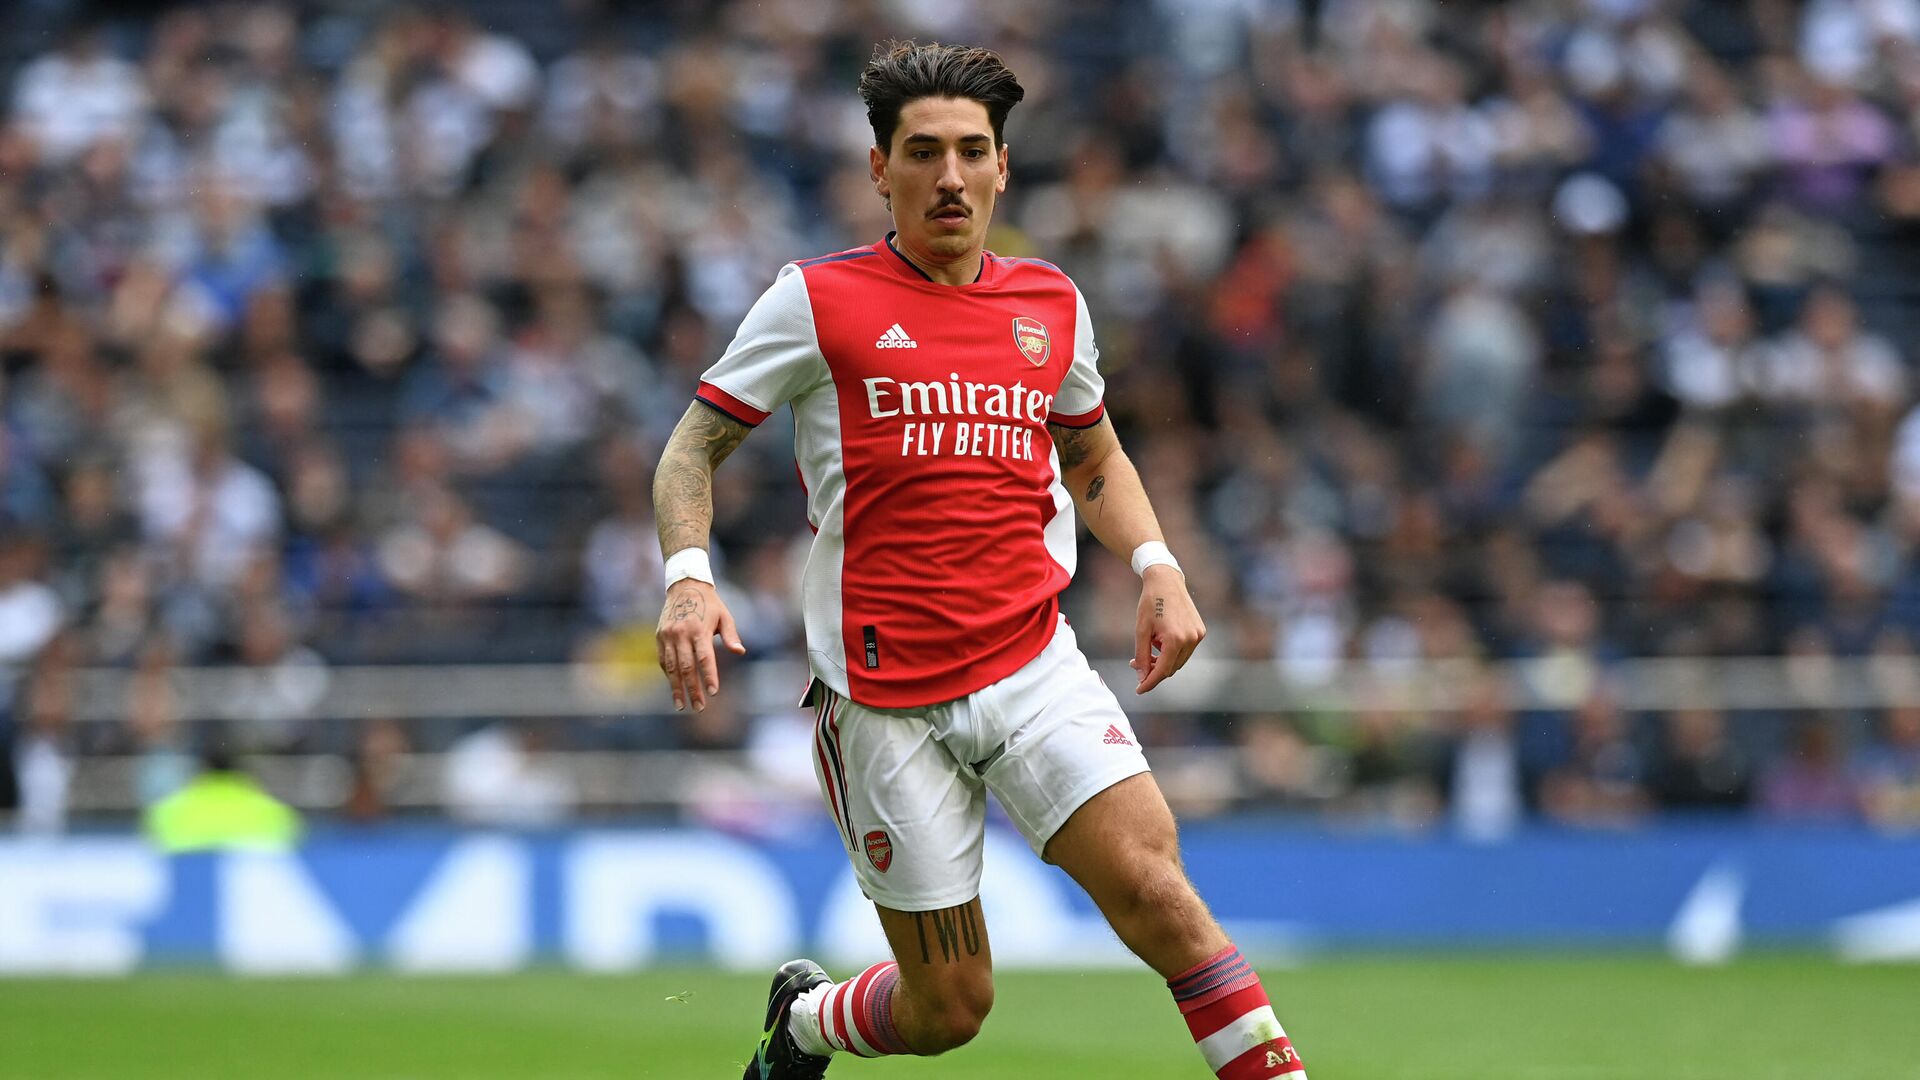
(1566, 330)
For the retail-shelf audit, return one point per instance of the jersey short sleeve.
(1081, 400)
(774, 358)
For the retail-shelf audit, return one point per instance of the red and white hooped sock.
(854, 1017)
(1232, 1021)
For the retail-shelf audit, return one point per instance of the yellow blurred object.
(220, 810)
(623, 661)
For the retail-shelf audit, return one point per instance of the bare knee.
(1156, 912)
(1152, 890)
(1122, 847)
(952, 1019)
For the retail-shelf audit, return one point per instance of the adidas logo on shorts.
(1116, 737)
(895, 338)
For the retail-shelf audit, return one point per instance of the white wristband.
(689, 563)
(1154, 553)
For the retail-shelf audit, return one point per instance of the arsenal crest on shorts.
(879, 850)
(1030, 336)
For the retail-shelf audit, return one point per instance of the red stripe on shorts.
(826, 769)
(840, 758)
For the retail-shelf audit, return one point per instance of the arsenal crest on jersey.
(1030, 337)
(879, 850)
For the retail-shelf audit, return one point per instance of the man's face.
(943, 173)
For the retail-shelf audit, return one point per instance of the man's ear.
(877, 171)
(1000, 181)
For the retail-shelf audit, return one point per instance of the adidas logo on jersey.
(895, 338)
(1116, 737)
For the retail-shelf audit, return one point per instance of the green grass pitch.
(1354, 1018)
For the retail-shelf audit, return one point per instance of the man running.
(948, 419)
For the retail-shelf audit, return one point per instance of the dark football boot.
(777, 1058)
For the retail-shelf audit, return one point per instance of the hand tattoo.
(1159, 606)
(688, 607)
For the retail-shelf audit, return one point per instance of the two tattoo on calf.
(956, 932)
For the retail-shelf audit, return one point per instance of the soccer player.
(947, 421)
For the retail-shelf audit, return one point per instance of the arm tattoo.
(683, 484)
(1077, 446)
(956, 930)
(1094, 489)
(1072, 444)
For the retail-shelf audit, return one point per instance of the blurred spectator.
(1841, 40)
(1426, 145)
(154, 736)
(1389, 777)
(1483, 363)
(621, 566)
(498, 776)
(25, 494)
(93, 526)
(1715, 356)
(1482, 776)
(1890, 772)
(67, 101)
(222, 808)
(447, 557)
(30, 611)
(121, 615)
(563, 377)
(278, 684)
(1602, 781)
(460, 392)
(1828, 141)
(43, 754)
(1811, 780)
(1280, 767)
(1715, 145)
(206, 513)
(602, 96)
(1827, 360)
(227, 257)
(377, 766)
(1701, 768)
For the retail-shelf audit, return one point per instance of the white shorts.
(907, 787)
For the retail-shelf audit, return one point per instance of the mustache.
(950, 202)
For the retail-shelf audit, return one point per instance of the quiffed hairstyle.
(903, 71)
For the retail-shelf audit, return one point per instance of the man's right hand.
(693, 614)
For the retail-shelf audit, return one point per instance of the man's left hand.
(1167, 628)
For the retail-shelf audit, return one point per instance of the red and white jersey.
(942, 534)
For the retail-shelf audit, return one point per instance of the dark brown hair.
(903, 71)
